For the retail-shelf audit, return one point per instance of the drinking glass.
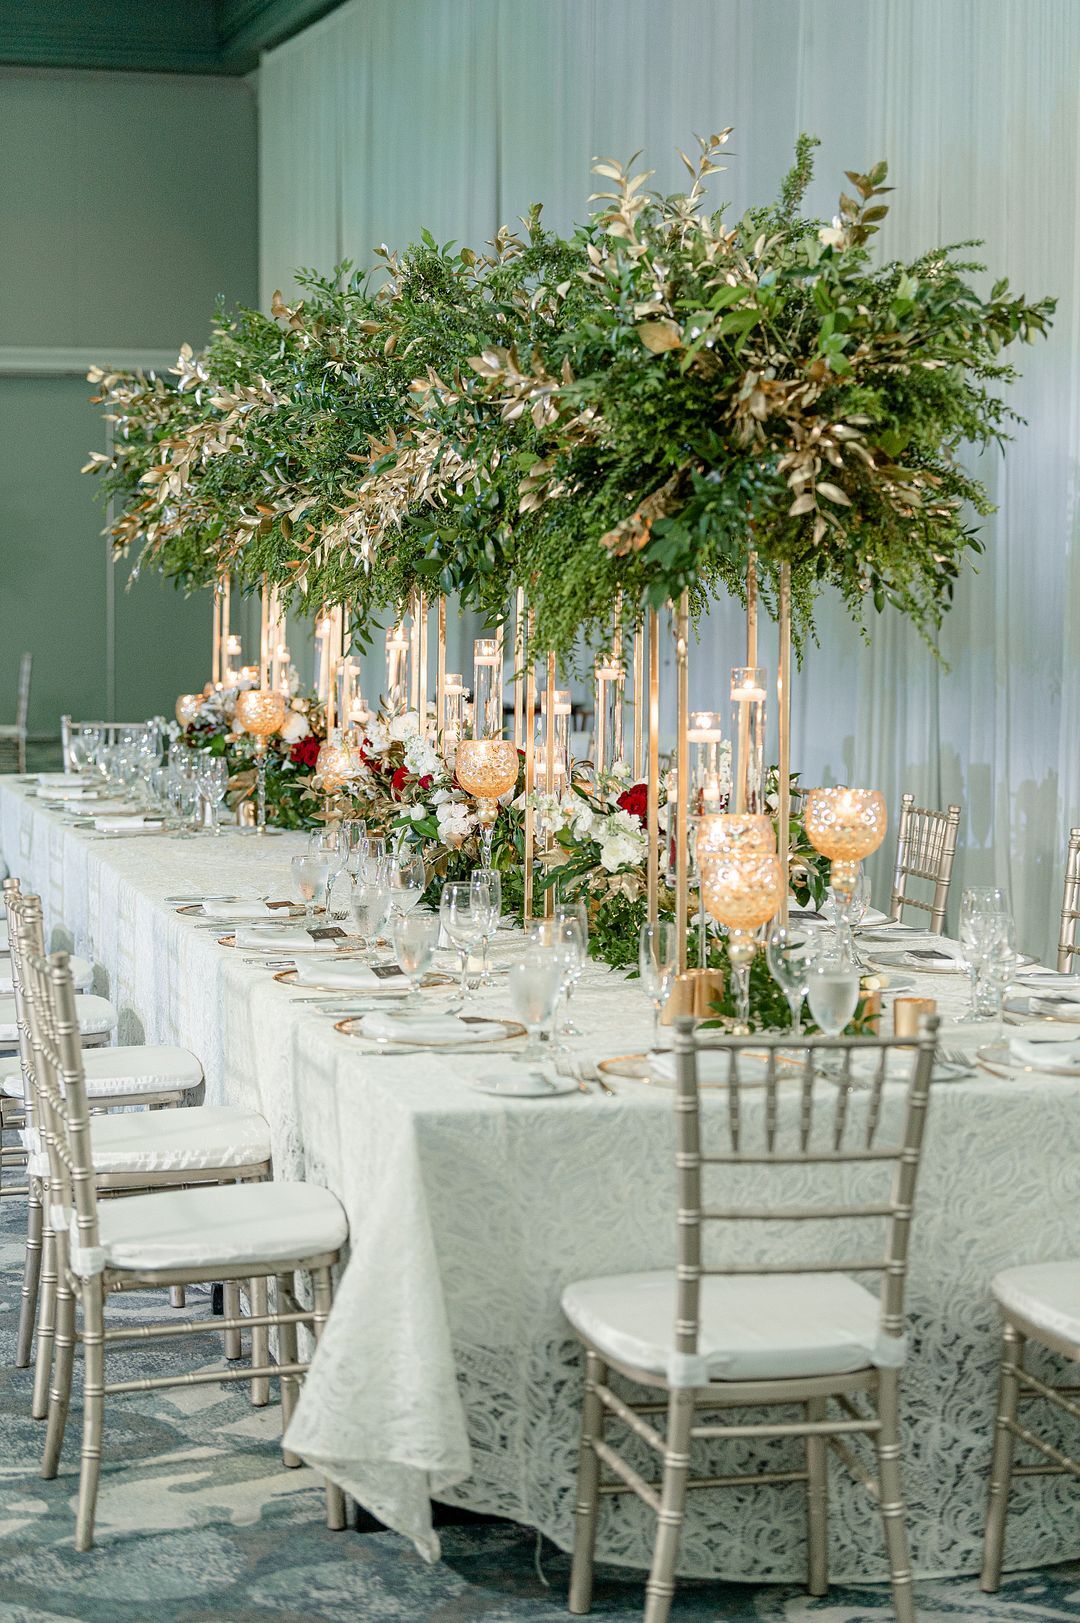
(463, 910)
(372, 854)
(311, 874)
(353, 834)
(534, 983)
(79, 750)
(833, 995)
(656, 962)
(493, 881)
(214, 780)
(578, 914)
(407, 877)
(415, 937)
(788, 955)
(369, 905)
(570, 953)
(984, 914)
(326, 843)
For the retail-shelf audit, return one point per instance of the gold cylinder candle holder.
(519, 669)
(909, 1012)
(440, 669)
(638, 750)
(682, 778)
(693, 993)
(783, 722)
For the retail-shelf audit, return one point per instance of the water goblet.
(534, 983)
(492, 879)
(310, 874)
(407, 878)
(833, 995)
(415, 937)
(983, 908)
(352, 834)
(656, 962)
(214, 780)
(369, 905)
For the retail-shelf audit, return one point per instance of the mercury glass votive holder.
(845, 825)
(261, 712)
(487, 768)
(187, 708)
(742, 890)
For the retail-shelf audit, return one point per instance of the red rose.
(635, 800)
(399, 780)
(426, 781)
(305, 752)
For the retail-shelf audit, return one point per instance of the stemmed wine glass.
(656, 963)
(534, 983)
(214, 782)
(493, 880)
(407, 878)
(415, 937)
(789, 954)
(370, 905)
(352, 835)
(984, 918)
(577, 914)
(463, 911)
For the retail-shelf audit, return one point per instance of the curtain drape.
(392, 115)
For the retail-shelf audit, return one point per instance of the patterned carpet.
(198, 1521)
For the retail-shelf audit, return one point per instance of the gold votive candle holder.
(907, 1013)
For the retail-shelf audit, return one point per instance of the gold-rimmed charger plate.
(505, 1031)
(636, 1068)
(395, 984)
(349, 943)
(194, 910)
(951, 966)
(995, 1058)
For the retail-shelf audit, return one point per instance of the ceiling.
(155, 36)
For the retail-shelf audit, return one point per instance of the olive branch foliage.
(605, 420)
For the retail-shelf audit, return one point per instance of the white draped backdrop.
(392, 115)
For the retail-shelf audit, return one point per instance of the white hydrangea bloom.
(421, 757)
(405, 726)
(294, 727)
(378, 739)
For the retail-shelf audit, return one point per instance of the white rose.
(421, 758)
(405, 726)
(378, 739)
(294, 727)
(455, 821)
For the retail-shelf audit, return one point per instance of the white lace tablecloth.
(446, 1368)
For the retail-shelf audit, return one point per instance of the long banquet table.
(446, 1369)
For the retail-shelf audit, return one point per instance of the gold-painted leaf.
(661, 335)
(833, 493)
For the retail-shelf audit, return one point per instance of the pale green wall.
(128, 203)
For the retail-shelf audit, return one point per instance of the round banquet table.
(447, 1369)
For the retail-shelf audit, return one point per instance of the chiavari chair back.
(925, 850)
(1068, 946)
(747, 1330)
(13, 738)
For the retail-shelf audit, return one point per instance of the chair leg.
(893, 1509)
(588, 1488)
(93, 1306)
(177, 1296)
(59, 1380)
(1012, 1360)
(817, 1502)
(660, 1589)
(287, 1354)
(260, 1342)
(322, 1285)
(234, 1347)
(31, 1274)
(39, 1402)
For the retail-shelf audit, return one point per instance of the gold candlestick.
(783, 718)
(682, 776)
(652, 870)
(530, 759)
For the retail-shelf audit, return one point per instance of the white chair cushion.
(138, 1068)
(82, 973)
(207, 1136)
(1046, 1294)
(201, 1229)
(753, 1327)
(97, 1017)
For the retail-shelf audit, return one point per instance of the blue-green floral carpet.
(198, 1521)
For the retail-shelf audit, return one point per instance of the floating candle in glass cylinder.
(248, 675)
(562, 710)
(610, 689)
(748, 726)
(487, 687)
(397, 669)
(709, 776)
(452, 721)
(234, 653)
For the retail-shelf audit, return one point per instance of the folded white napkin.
(245, 912)
(73, 780)
(1048, 980)
(1045, 1048)
(103, 808)
(292, 939)
(124, 825)
(421, 1028)
(349, 976)
(72, 791)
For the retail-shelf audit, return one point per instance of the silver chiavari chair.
(13, 738)
(712, 1336)
(1068, 946)
(149, 1076)
(925, 849)
(110, 733)
(175, 1237)
(1040, 1302)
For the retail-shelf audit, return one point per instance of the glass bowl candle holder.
(487, 768)
(845, 825)
(260, 712)
(742, 890)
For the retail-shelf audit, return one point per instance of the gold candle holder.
(487, 768)
(187, 708)
(338, 760)
(845, 825)
(908, 1012)
(742, 890)
(261, 712)
(729, 833)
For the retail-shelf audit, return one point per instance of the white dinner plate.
(531, 1084)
